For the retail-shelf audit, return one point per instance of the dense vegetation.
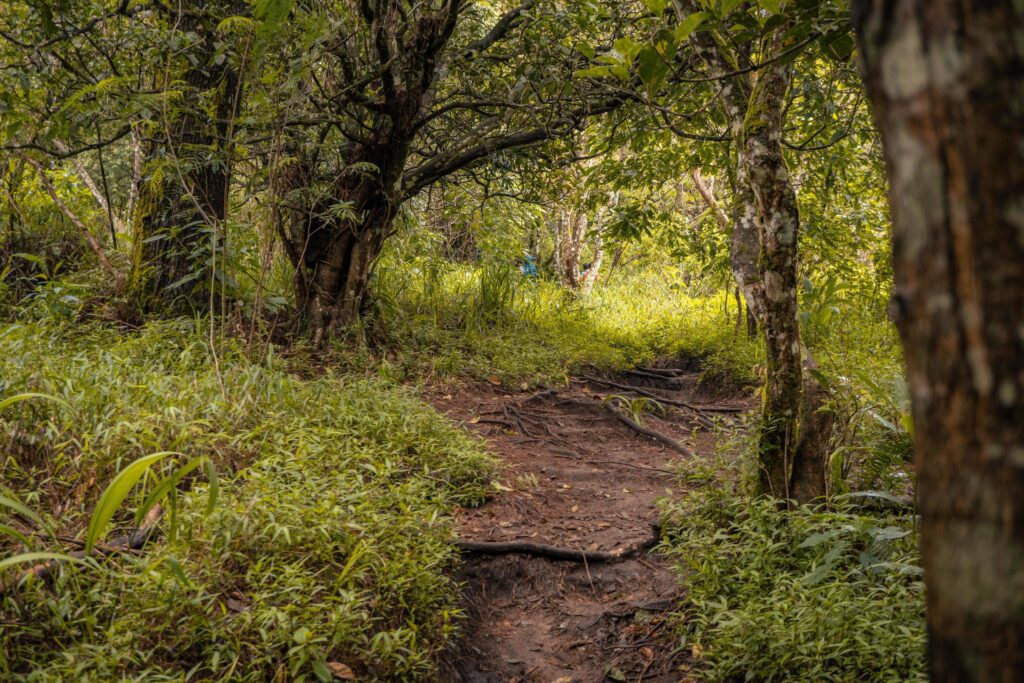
(242, 240)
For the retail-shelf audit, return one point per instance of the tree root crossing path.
(561, 579)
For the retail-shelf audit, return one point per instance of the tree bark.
(745, 245)
(809, 479)
(334, 242)
(182, 202)
(762, 162)
(945, 80)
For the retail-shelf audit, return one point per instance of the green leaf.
(21, 509)
(688, 25)
(115, 494)
(164, 487)
(839, 48)
(18, 398)
(656, 6)
(818, 539)
(594, 72)
(628, 48)
(14, 533)
(35, 557)
(651, 67)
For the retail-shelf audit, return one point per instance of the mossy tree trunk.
(945, 80)
(183, 193)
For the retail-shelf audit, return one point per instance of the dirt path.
(583, 480)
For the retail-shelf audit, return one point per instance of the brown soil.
(581, 480)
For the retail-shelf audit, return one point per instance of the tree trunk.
(181, 203)
(334, 241)
(810, 458)
(571, 228)
(745, 246)
(762, 162)
(945, 79)
(590, 277)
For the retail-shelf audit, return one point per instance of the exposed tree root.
(551, 552)
(671, 379)
(621, 416)
(667, 372)
(668, 401)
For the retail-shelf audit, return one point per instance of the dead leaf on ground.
(342, 672)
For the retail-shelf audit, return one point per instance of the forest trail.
(581, 479)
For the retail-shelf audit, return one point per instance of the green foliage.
(804, 595)
(329, 541)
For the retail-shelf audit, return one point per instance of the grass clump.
(328, 547)
(803, 595)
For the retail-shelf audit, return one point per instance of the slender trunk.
(739, 314)
(571, 227)
(708, 195)
(138, 159)
(945, 79)
(763, 164)
(590, 277)
(90, 239)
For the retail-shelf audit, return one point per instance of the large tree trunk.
(184, 198)
(334, 241)
(945, 79)
(763, 164)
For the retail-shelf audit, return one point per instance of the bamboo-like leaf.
(18, 398)
(23, 510)
(35, 557)
(116, 492)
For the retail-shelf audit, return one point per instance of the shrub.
(803, 595)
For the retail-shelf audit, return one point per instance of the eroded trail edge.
(561, 583)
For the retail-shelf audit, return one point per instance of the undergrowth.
(803, 595)
(328, 548)
(444, 321)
